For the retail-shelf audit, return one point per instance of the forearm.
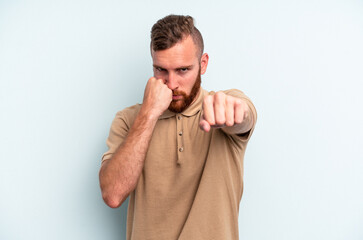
(119, 175)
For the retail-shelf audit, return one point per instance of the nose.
(171, 81)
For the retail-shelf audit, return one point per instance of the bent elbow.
(112, 201)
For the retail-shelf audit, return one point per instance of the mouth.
(177, 97)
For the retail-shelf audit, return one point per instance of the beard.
(180, 105)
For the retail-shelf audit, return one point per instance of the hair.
(172, 29)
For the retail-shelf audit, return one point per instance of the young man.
(179, 155)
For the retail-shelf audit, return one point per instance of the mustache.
(177, 92)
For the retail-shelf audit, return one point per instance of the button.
(179, 117)
(180, 133)
(181, 149)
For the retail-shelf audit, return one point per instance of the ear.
(204, 63)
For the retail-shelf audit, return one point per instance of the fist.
(221, 110)
(157, 96)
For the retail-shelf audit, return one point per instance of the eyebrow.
(181, 67)
(156, 66)
(190, 66)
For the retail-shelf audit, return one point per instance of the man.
(179, 155)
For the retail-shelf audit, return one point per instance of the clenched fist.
(221, 110)
(157, 97)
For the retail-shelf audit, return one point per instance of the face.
(180, 68)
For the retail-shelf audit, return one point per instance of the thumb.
(204, 125)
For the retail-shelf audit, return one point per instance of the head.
(177, 53)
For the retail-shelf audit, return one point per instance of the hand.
(157, 97)
(221, 110)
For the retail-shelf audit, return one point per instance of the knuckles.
(220, 96)
(152, 79)
(238, 102)
(156, 80)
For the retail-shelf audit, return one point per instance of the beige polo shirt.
(192, 181)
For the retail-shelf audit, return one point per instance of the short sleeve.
(118, 132)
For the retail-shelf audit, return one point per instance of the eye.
(183, 70)
(159, 69)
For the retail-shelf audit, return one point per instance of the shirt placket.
(180, 138)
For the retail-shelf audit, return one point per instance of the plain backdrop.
(67, 67)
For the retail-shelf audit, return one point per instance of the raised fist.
(157, 96)
(221, 110)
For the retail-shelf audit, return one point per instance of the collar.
(193, 109)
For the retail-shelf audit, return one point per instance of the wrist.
(149, 114)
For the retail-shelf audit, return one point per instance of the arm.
(230, 113)
(119, 175)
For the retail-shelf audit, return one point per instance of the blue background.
(66, 68)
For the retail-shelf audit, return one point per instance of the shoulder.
(130, 111)
(128, 115)
(234, 93)
(231, 92)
